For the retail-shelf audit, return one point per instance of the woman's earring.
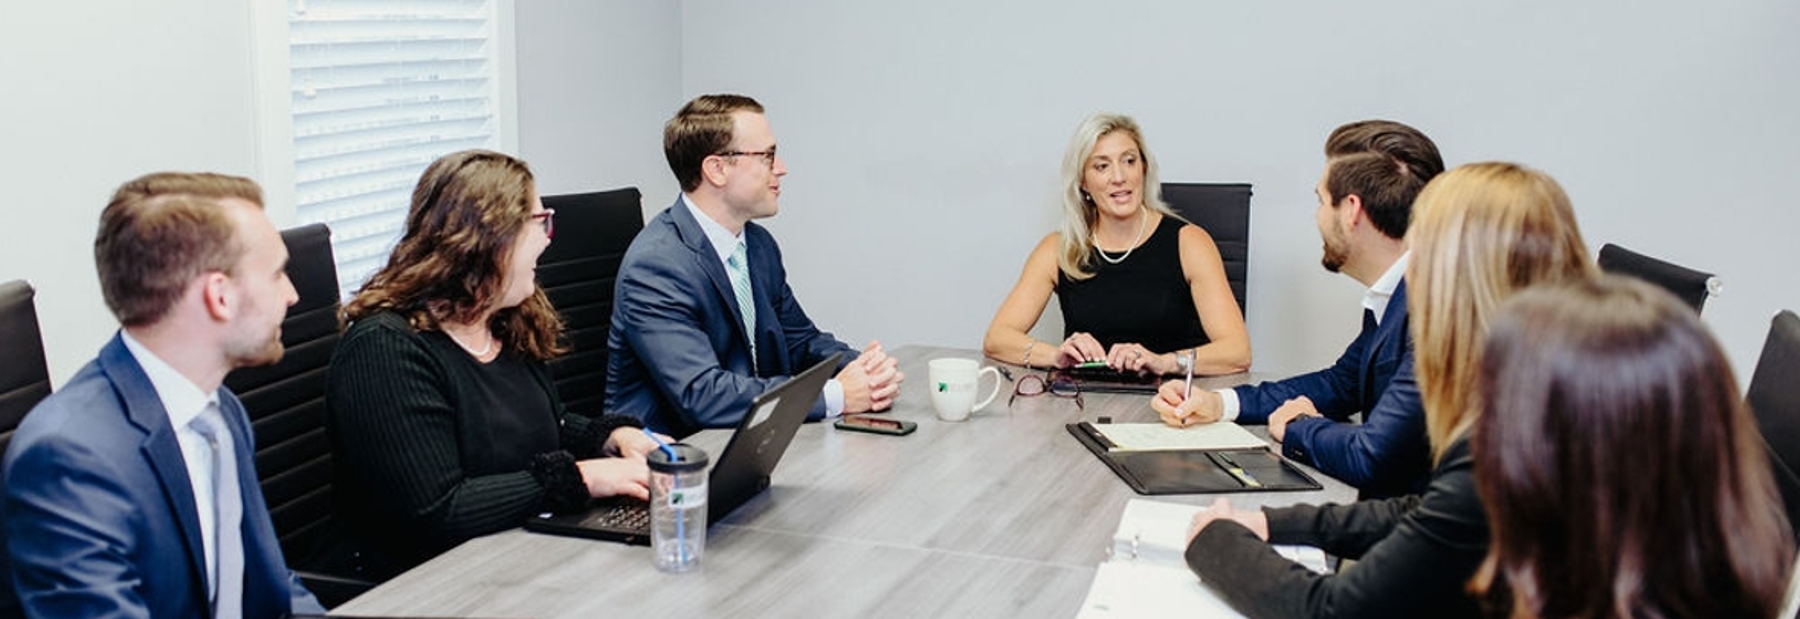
(1086, 198)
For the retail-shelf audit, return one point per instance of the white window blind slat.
(381, 88)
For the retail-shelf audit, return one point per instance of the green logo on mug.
(943, 386)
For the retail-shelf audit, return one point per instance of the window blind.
(381, 88)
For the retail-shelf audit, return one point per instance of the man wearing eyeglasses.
(1373, 170)
(703, 319)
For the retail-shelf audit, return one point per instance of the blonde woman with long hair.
(1139, 288)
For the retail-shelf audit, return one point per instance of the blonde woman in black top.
(1138, 287)
(443, 420)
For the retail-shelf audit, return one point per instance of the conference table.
(1004, 514)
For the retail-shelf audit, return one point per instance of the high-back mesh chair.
(24, 375)
(1692, 287)
(1774, 398)
(1223, 210)
(577, 272)
(286, 404)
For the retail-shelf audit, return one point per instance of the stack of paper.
(1147, 575)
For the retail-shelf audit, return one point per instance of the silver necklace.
(470, 349)
(1143, 220)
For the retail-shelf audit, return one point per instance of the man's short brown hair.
(159, 232)
(1384, 163)
(701, 129)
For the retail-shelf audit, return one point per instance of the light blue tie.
(228, 575)
(739, 266)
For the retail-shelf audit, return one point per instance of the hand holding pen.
(1181, 406)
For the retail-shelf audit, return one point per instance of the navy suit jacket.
(680, 358)
(1388, 453)
(99, 514)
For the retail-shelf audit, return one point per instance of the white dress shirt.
(183, 401)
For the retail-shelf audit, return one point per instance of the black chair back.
(286, 403)
(1774, 398)
(1223, 210)
(24, 376)
(1692, 287)
(577, 272)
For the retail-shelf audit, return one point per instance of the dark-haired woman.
(443, 420)
(1621, 473)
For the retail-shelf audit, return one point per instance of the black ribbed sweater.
(415, 469)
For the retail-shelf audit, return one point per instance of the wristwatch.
(1184, 361)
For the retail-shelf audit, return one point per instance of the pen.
(1188, 385)
(1232, 467)
(666, 449)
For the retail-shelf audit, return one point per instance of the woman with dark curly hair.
(443, 420)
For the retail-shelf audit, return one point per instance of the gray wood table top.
(1004, 514)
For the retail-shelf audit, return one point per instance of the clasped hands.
(871, 381)
(1126, 357)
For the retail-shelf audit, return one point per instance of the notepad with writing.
(1155, 462)
(1147, 576)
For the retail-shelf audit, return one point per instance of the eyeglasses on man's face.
(768, 156)
(547, 217)
(1057, 384)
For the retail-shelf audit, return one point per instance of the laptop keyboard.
(624, 516)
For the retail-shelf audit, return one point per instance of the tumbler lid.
(688, 459)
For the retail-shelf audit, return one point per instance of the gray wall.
(98, 92)
(923, 137)
(596, 81)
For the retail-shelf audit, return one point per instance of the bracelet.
(1028, 353)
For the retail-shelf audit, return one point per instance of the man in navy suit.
(132, 491)
(1373, 170)
(703, 319)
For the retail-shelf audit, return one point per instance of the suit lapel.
(1394, 317)
(143, 407)
(709, 261)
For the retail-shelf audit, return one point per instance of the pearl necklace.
(470, 349)
(1143, 220)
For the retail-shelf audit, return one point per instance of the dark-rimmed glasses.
(548, 217)
(768, 156)
(1056, 384)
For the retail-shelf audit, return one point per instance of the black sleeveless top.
(1143, 300)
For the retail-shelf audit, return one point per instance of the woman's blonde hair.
(1480, 233)
(1079, 212)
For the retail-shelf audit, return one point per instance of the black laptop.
(740, 472)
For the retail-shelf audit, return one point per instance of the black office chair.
(577, 272)
(286, 403)
(1223, 210)
(1692, 287)
(25, 376)
(1774, 398)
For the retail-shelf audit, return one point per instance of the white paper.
(1148, 575)
(1157, 436)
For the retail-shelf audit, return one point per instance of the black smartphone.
(878, 425)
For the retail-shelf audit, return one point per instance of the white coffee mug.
(953, 387)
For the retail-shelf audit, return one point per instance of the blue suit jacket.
(99, 514)
(1388, 453)
(680, 358)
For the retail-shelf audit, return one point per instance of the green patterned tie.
(740, 284)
